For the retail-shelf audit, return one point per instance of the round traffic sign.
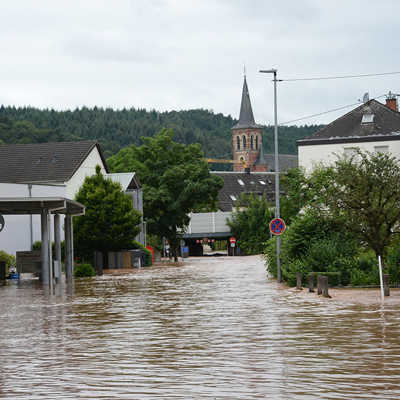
(277, 226)
(2, 223)
(232, 239)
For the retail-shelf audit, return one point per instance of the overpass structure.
(211, 225)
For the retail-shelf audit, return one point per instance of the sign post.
(232, 240)
(277, 226)
(2, 222)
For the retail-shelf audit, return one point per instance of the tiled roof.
(43, 162)
(385, 122)
(286, 162)
(238, 183)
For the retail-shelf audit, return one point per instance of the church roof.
(246, 117)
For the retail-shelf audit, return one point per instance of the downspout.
(30, 216)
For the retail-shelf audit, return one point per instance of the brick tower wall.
(249, 154)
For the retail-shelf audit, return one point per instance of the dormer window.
(367, 119)
(368, 116)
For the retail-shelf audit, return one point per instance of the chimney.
(391, 101)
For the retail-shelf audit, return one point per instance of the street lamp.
(277, 208)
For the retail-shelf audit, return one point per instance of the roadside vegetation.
(176, 180)
(341, 218)
(110, 222)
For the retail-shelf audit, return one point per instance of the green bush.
(392, 261)
(8, 258)
(84, 270)
(148, 255)
(334, 278)
(38, 245)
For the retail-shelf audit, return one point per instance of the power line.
(326, 112)
(338, 77)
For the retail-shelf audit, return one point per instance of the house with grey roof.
(372, 127)
(237, 184)
(50, 170)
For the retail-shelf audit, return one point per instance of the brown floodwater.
(215, 328)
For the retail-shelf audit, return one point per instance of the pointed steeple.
(246, 117)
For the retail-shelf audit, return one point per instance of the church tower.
(247, 139)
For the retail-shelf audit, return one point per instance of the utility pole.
(277, 205)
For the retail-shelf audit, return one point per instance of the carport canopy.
(44, 206)
(36, 205)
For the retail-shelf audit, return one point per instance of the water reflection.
(213, 329)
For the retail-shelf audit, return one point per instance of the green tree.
(175, 179)
(250, 224)
(365, 190)
(110, 222)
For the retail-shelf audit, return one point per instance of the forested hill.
(115, 129)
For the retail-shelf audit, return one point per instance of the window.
(367, 119)
(381, 149)
(252, 142)
(237, 143)
(350, 151)
(256, 142)
(244, 142)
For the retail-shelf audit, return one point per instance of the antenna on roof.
(366, 97)
(244, 70)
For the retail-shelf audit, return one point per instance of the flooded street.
(215, 328)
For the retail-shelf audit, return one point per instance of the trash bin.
(138, 258)
(185, 251)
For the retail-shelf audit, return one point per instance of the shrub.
(84, 270)
(38, 245)
(148, 255)
(8, 258)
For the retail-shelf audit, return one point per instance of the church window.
(237, 143)
(252, 142)
(244, 142)
(256, 142)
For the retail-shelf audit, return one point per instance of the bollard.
(324, 284)
(386, 287)
(298, 283)
(2, 270)
(98, 262)
(311, 283)
(319, 288)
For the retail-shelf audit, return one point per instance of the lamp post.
(277, 206)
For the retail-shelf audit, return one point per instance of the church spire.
(246, 117)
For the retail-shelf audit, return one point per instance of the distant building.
(237, 184)
(248, 152)
(50, 170)
(372, 126)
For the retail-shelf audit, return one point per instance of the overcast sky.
(182, 54)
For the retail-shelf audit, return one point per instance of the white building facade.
(372, 127)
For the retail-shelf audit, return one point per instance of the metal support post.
(277, 191)
(45, 248)
(57, 245)
(68, 247)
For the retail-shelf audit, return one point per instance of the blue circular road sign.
(277, 226)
